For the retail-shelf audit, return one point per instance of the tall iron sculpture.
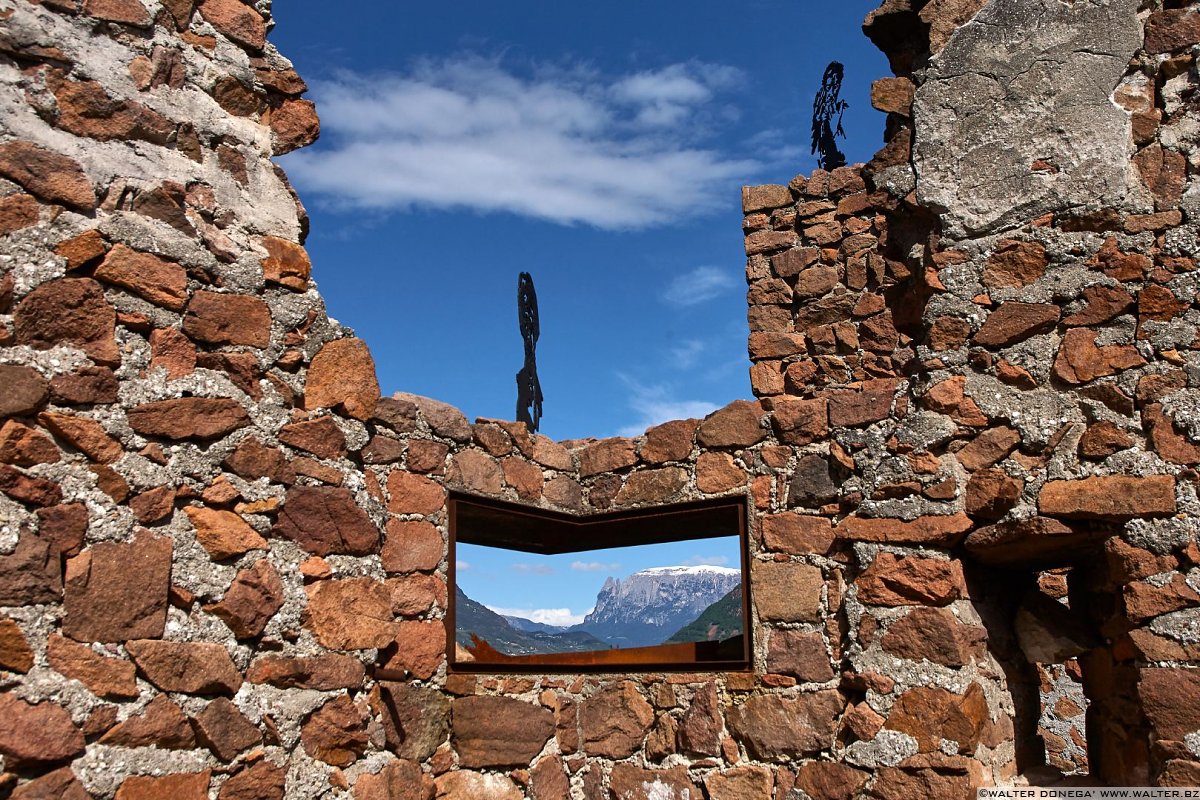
(827, 106)
(529, 389)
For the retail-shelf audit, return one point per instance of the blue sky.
(561, 589)
(599, 146)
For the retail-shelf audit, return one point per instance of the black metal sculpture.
(529, 389)
(826, 106)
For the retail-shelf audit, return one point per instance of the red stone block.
(118, 590)
(49, 175)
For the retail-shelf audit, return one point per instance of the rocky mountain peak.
(653, 603)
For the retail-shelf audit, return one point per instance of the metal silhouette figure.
(827, 106)
(529, 389)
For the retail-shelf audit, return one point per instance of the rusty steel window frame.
(474, 519)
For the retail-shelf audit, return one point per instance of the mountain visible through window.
(680, 601)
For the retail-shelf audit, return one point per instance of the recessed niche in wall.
(644, 589)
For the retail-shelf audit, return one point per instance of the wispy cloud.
(685, 354)
(533, 569)
(668, 96)
(698, 286)
(653, 404)
(782, 144)
(564, 145)
(594, 566)
(705, 561)
(462, 566)
(546, 616)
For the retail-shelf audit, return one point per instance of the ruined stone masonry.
(972, 460)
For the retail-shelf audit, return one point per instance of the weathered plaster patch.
(1026, 80)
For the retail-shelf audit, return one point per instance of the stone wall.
(971, 460)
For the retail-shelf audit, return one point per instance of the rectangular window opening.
(646, 589)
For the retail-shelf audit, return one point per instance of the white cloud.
(594, 566)
(697, 286)
(705, 561)
(533, 569)
(462, 566)
(567, 146)
(546, 616)
(669, 95)
(653, 405)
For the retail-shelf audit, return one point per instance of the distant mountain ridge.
(649, 607)
(472, 617)
(529, 626)
(652, 604)
(719, 621)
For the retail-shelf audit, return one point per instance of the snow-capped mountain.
(651, 605)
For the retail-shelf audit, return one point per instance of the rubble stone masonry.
(972, 460)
